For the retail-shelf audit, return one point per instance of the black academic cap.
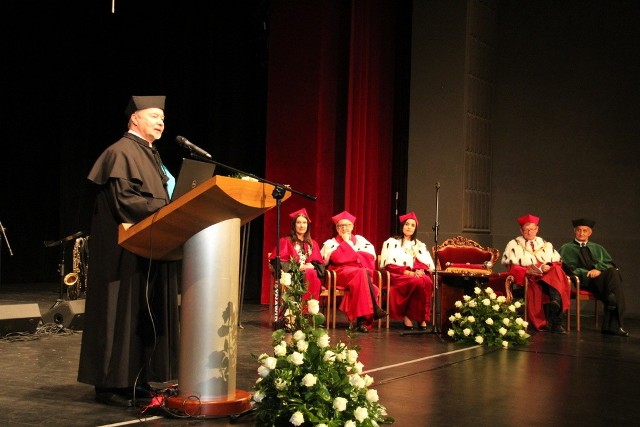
(141, 102)
(583, 221)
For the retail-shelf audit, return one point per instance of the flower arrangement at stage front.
(488, 319)
(306, 381)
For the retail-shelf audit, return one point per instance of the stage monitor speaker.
(19, 318)
(68, 314)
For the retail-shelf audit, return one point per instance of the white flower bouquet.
(306, 381)
(488, 319)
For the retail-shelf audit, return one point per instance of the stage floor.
(584, 378)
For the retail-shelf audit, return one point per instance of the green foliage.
(306, 381)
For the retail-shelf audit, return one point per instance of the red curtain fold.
(330, 116)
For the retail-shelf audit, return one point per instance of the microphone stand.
(61, 243)
(279, 190)
(3, 237)
(436, 284)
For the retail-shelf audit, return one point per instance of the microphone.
(437, 185)
(181, 140)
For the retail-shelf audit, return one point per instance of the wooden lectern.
(203, 229)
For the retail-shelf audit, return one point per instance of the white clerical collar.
(140, 136)
(581, 243)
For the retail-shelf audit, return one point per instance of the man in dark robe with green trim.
(130, 332)
(597, 273)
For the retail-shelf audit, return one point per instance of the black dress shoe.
(424, 328)
(362, 328)
(408, 328)
(112, 399)
(558, 329)
(618, 333)
(379, 313)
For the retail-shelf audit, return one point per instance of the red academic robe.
(536, 298)
(410, 296)
(354, 271)
(288, 251)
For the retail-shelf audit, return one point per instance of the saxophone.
(78, 275)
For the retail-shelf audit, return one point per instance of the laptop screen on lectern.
(192, 173)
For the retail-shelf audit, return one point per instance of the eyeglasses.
(344, 225)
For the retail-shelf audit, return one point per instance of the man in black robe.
(130, 332)
(595, 268)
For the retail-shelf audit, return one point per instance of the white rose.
(486, 302)
(297, 418)
(512, 308)
(299, 335)
(488, 290)
(473, 304)
(281, 384)
(451, 332)
(368, 380)
(329, 356)
(496, 307)
(340, 404)
(502, 331)
(313, 306)
(502, 299)
(352, 356)
(471, 319)
(296, 358)
(280, 349)
(505, 344)
(350, 423)
(477, 290)
(302, 346)
(458, 304)
(358, 367)
(263, 371)
(466, 332)
(489, 321)
(506, 321)
(517, 304)
(323, 341)
(285, 279)
(361, 414)
(466, 297)
(309, 380)
(479, 339)
(372, 395)
(258, 396)
(269, 362)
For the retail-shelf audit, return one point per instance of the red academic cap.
(143, 102)
(528, 218)
(302, 212)
(344, 215)
(410, 215)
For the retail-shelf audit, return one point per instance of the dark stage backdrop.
(69, 69)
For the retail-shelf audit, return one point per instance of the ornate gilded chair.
(463, 264)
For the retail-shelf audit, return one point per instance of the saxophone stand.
(3, 237)
(61, 243)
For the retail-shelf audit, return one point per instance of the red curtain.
(330, 115)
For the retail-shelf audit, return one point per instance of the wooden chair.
(578, 295)
(338, 292)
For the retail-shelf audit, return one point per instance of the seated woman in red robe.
(300, 247)
(352, 257)
(409, 263)
(535, 258)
